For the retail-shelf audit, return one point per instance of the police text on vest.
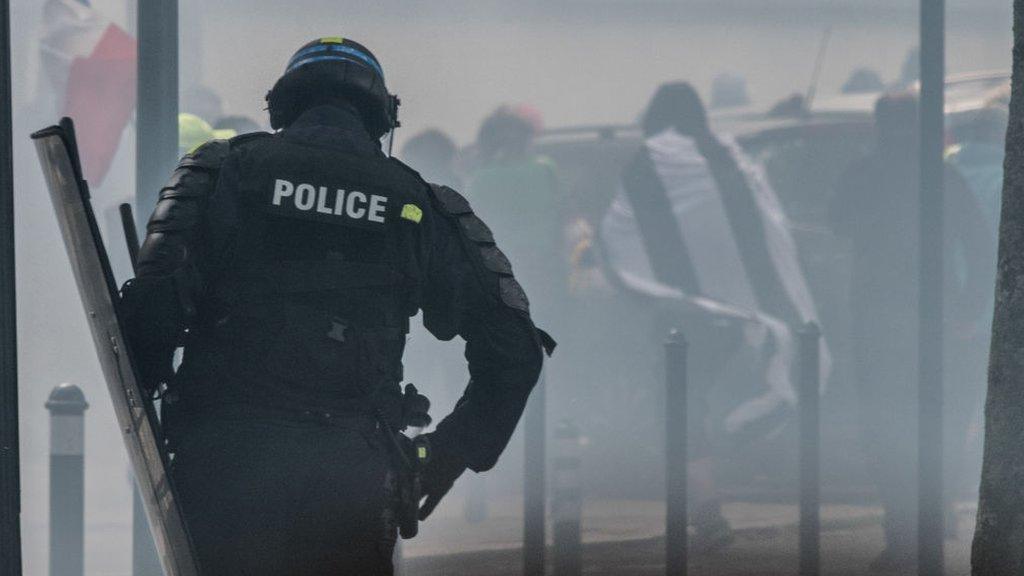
(344, 203)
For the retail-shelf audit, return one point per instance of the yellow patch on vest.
(412, 212)
(332, 40)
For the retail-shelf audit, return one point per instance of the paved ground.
(620, 538)
(624, 538)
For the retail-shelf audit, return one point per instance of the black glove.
(415, 408)
(438, 475)
(153, 326)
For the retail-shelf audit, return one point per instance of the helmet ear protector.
(336, 66)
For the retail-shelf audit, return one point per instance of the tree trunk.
(999, 537)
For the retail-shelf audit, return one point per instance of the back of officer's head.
(676, 105)
(333, 71)
(311, 86)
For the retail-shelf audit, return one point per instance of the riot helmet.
(329, 69)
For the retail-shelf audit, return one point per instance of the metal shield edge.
(136, 414)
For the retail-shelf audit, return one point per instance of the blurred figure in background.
(193, 132)
(876, 206)
(863, 81)
(978, 156)
(910, 72)
(697, 229)
(516, 192)
(433, 154)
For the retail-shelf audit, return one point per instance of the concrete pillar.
(67, 407)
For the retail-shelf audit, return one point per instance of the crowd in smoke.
(735, 224)
(719, 236)
(703, 222)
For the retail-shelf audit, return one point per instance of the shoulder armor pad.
(475, 229)
(495, 260)
(187, 183)
(451, 202)
(491, 265)
(208, 157)
(196, 172)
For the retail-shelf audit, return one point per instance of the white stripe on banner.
(717, 261)
(697, 206)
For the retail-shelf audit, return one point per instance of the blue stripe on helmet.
(313, 54)
(305, 52)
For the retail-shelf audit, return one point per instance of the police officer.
(288, 266)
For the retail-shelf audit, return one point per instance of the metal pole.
(534, 539)
(157, 113)
(67, 407)
(10, 488)
(156, 152)
(930, 338)
(397, 559)
(567, 500)
(131, 234)
(676, 465)
(810, 446)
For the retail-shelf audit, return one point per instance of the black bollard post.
(567, 500)
(10, 460)
(534, 539)
(67, 407)
(676, 465)
(931, 504)
(810, 447)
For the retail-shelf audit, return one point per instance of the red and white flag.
(91, 65)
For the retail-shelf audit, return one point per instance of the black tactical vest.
(313, 268)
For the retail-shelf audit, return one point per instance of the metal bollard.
(810, 450)
(67, 407)
(534, 501)
(567, 500)
(397, 559)
(676, 465)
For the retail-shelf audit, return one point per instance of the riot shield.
(136, 414)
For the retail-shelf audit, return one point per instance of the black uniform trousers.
(287, 497)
